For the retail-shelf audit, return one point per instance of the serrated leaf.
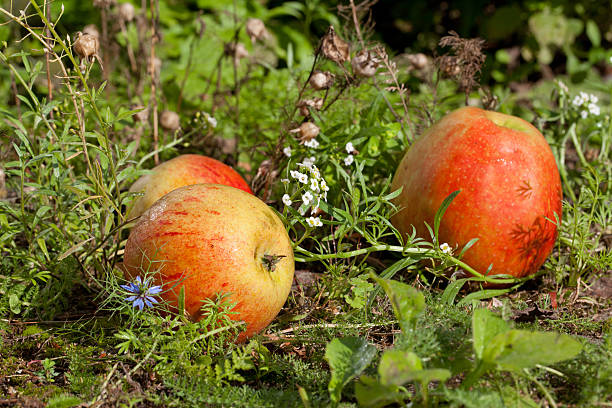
(400, 367)
(407, 302)
(347, 358)
(371, 393)
(518, 349)
(485, 326)
(397, 367)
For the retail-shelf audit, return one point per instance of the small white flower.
(314, 222)
(594, 109)
(350, 148)
(302, 210)
(307, 198)
(324, 186)
(446, 248)
(314, 184)
(285, 181)
(287, 151)
(312, 143)
(584, 114)
(287, 200)
(563, 87)
(308, 162)
(593, 98)
(610, 60)
(314, 172)
(303, 178)
(211, 120)
(348, 160)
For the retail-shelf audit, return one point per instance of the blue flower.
(142, 293)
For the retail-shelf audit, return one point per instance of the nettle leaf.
(518, 349)
(347, 358)
(407, 302)
(485, 326)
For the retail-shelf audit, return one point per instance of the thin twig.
(153, 72)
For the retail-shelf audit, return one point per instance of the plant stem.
(473, 376)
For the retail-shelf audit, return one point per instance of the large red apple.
(211, 238)
(182, 171)
(510, 189)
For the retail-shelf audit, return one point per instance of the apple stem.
(269, 261)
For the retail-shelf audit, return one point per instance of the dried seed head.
(418, 61)
(92, 29)
(127, 12)
(141, 116)
(321, 80)
(170, 120)
(334, 47)
(307, 131)
(365, 64)
(256, 30)
(86, 46)
(314, 103)
(236, 50)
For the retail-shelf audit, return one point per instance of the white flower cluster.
(312, 188)
(350, 149)
(287, 151)
(312, 143)
(587, 103)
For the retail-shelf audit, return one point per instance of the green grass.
(67, 334)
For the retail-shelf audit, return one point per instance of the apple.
(182, 171)
(212, 238)
(510, 189)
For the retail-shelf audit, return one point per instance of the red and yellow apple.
(510, 189)
(209, 239)
(183, 170)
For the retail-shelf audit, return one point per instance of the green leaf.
(484, 294)
(397, 367)
(452, 290)
(407, 302)
(485, 326)
(592, 31)
(518, 349)
(371, 393)
(440, 213)
(14, 303)
(347, 358)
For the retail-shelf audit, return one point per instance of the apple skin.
(510, 189)
(211, 238)
(182, 171)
